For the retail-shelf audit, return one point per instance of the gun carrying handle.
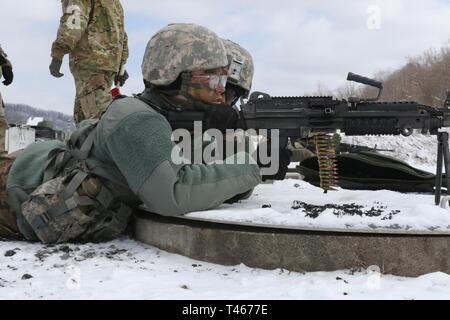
(371, 82)
(360, 79)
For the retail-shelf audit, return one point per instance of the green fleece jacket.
(133, 142)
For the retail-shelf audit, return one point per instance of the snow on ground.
(280, 203)
(124, 269)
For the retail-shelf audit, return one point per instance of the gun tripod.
(443, 155)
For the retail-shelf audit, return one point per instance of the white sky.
(296, 45)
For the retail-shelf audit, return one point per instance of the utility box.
(19, 138)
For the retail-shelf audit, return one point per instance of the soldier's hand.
(221, 116)
(120, 79)
(55, 67)
(284, 158)
(7, 73)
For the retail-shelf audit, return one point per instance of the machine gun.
(355, 148)
(357, 116)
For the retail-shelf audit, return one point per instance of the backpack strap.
(60, 158)
(76, 136)
(69, 200)
(57, 159)
(85, 149)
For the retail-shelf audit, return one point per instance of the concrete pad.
(393, 252)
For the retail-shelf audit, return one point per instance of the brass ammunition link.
(326, 154)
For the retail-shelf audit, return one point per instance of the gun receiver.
(326, 114)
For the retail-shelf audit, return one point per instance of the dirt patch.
(26, 276)
(351, 209)
(3, 283)
(10, 253)
(66, 252)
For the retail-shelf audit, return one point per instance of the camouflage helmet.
(180, 48)
(241, 68)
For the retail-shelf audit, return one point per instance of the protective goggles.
(214, 80)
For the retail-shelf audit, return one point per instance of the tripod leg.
(438, 183)
(445, 150)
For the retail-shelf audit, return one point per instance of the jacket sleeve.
(3, 59)
(73, 24)
(141, 147)
(125, 51)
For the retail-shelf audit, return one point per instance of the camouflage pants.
(3, 125)
(92, 93)
(8, 223)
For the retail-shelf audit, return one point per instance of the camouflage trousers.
(92, 93)
(8, 223)
(3, 125)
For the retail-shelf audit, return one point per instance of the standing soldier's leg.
(92, 94)
(8, 221)
(3, 125)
